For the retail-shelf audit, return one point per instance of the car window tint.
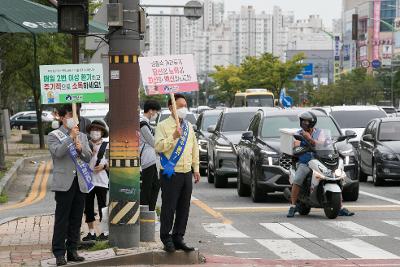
(374, 129)
(209, 120)
(236, 122)
(271, 125)
(389, 131)
(356, 118)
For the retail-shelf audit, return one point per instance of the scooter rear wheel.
(333, 206)
(303, 209)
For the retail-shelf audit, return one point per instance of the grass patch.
(8, 166)
(3, 198)
(101, 245)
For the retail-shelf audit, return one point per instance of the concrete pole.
(2, 157)
(124, 208)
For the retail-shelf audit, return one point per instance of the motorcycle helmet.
(307, 120)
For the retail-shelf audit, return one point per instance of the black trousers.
(68, 219)
(150, 187)
(101, 194)
(176, 194)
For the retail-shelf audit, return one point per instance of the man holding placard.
(70, 151)
(179, 154)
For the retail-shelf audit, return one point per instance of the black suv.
(225, 135)
(205, 120)
(262, 168)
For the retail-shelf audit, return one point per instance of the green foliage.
(266, 71)
(3, 198)
(100, 245)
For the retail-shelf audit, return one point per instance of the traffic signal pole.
(124, 208)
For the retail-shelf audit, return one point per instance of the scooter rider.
(307, 122)
(312, 135)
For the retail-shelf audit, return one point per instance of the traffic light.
(354, 29)
(73, 16)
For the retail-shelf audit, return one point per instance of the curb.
(12, 174)
(155, 257)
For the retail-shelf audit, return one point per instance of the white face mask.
(55, 124)
(95, 135)
(71, 123)
(154, 117)
(182, 112)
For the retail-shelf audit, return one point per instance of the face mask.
(154, 117)
(71, 123)
(182, 112)
(95, 135)
(55, 125)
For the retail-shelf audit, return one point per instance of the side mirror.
(350, 134)
(248, 136)
(342, 138)
(195, 128)
(368, 138)
(211, 129)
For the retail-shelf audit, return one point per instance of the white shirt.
(99, 179)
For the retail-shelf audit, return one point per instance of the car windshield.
(389, 131)
(271, 125)
(236, 122)
(260, 101)
(209, 120)
(356, 118)
(190, 117)
(389, 110)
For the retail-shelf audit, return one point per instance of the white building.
(309, 35)
(280, 31)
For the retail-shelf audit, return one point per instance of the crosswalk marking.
(287, 230)
(394, 223)
(361, 248)
(286, 249)
(353, 229)
(221, 230)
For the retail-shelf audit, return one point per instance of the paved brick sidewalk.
(26, 241)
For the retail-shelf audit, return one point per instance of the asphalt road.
(222, 223)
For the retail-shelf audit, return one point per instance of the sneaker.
(292, 212)
(102, 237)
(89, 237)
(345, 212)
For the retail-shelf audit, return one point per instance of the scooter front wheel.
(332, 207)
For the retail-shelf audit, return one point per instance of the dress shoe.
(169, 247)
(182, 246)
(60, 261)
(73, 256)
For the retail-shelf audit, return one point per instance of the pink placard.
(168, 74)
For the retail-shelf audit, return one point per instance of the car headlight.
(203, 144)
(220, 148)
(269, 157)
(389, 156)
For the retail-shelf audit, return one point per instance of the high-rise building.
(280, 31)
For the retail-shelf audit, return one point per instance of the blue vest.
(306, 157)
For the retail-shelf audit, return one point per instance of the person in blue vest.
(308, 120)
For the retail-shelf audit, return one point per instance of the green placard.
(81, 98)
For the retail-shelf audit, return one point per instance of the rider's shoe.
(292, 211)
(345, 212)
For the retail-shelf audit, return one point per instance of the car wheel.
(378, 181)
(203, 172)
(210, 175)
(352, 195)
(256, 193)
(242, 189)
(362, 177)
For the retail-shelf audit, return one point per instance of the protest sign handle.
(75, 114)
(172, 96)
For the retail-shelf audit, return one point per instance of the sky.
(327, 9)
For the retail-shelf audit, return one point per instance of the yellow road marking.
(43, 187)
(122, 212)
(285, 208)
(211, 211)
(32, 194)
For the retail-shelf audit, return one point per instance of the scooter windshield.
(324, 147)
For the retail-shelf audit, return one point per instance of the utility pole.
(126, 22)
(2, 157)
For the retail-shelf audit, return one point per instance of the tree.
(228, 82)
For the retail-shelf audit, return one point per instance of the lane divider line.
(210, 211)
(391, 200)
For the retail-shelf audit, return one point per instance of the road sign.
(365, 64)
(72, 83)
(168, 74)
(308, 70)
(376, 64)
(193, 10)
